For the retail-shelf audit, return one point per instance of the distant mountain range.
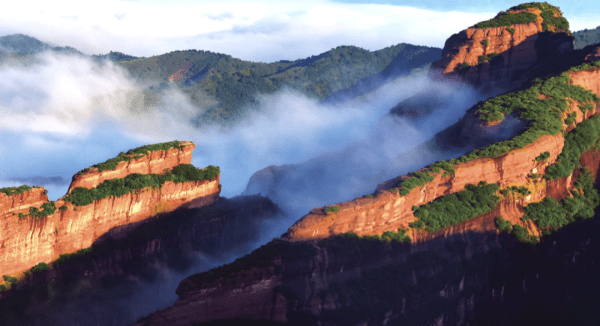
(224, 88)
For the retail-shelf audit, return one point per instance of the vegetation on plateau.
(9, 191)
(550, 214)
(548, 13)
(36, 213)
(586, 37)
(118, 187)
(332, 209)
(227, 87)
(579, 140)
(136, 153)
(453, 209)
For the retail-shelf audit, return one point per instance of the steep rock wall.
(389, 211)
(25, 242)
(32, 198)
(154, 162)
(516, 53)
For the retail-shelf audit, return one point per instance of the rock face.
(26, 241)
(257, 291)
(388, 211)
(154, 162)
(512, 54)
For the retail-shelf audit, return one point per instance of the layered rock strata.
(26, 241)
(499, 56)
(153, 162)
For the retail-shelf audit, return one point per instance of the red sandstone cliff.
(153, 162)
(388, 211)
(25, 241)
(516, 53)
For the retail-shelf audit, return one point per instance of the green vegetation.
(485, 43)
(510, 30)
(586, 66)
(493, 55)
(64, 259)
(46, 209)
(39, 268)
(9, 191)
(550, 214)
(483, 59)
(369, 196)
(570, 118)
(579, 140)
(464, 67)
(586, 37)
(506, 19)
(519, 232)
(586, 107)
(228, 87)
(352, 243)
(63, 208)
(503, 225)
(421, 178)
(550, 23)
(458, 207)
(544, 115)
(523, 191)
(10, 279)
(332, 209)
(542, 157)
(138, 152)
(262, 257)
(118, 187)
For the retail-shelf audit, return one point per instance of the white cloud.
(258, 31)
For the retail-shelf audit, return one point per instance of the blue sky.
(264, 30)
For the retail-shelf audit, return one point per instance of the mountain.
(227, 87)
(478, 239)
(108, 197)
(586, 37)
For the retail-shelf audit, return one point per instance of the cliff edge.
(101, 199)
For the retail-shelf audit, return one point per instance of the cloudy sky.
(264, 30)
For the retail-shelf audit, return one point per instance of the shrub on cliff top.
(542, 157)
(506, 19)
(39, 268)
(332, 209)
(118, 187)
(458, 207)
(9, 191)
(138, 152)
(552, 214)
(579, 140)
(549, 23)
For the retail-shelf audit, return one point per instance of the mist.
(63, 113)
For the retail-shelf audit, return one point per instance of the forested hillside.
(586, 37)
(226, 86)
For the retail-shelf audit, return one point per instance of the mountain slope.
(227, 86)
(429, 247)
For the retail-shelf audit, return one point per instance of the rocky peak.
(155, 158)
(500, 52)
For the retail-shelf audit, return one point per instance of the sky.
(265, 30)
